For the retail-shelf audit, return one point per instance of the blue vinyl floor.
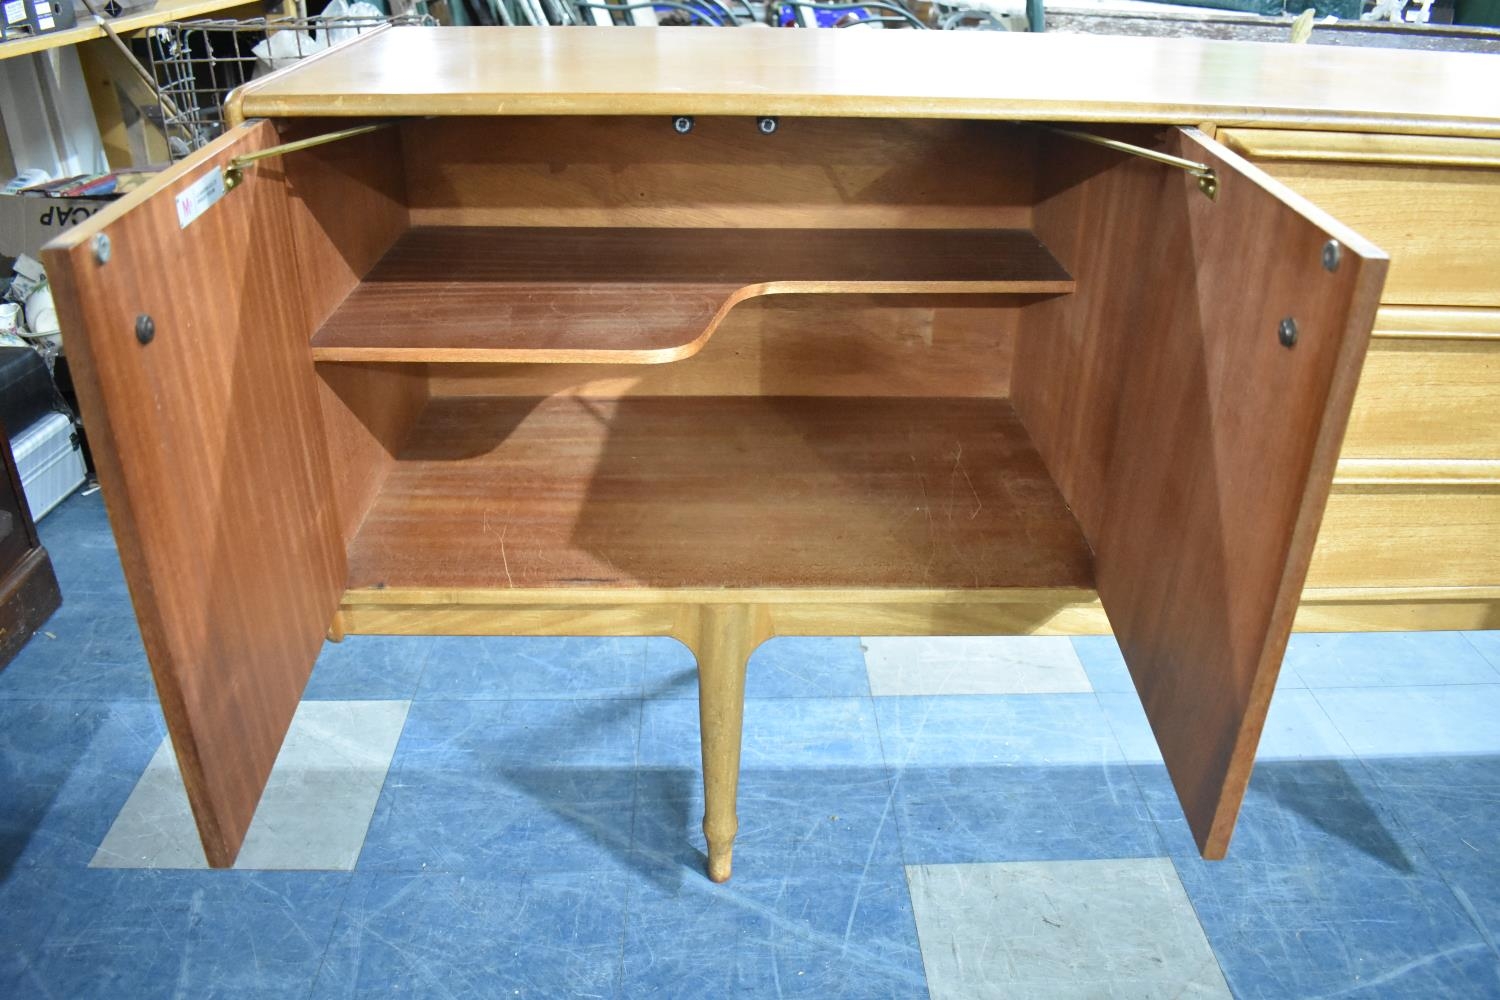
(531, 827)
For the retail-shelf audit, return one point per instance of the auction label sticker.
(198, 197)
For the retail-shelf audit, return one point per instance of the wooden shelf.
(87, 29)
(642, 296)
(722, 492)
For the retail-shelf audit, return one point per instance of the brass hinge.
(1208, 181)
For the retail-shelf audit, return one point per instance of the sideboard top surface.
(938, 74)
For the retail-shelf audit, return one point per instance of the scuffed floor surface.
(946, 818)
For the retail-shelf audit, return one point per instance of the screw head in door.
(145, 328)
(1332, 254)
(1286, 332)
(682, 124)
(767, 125)
(102, 248)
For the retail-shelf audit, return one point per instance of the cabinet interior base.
(744, 492)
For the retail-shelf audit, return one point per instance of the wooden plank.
(1017, 610)
(1436, 323)
(1386, 609)
(571, 295)
(596, 596)
(630, 171)
(1433, 205)
(1263, 144)
(730, 492)
(1404, 472)
(942, 74)
(1195, 449)
(159, 13)
(211, 453)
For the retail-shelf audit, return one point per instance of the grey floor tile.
(155, 826)
(974, 665)
(1488, 644)
(1058, 929)
(1454, 720)
(1386, 659)
(315, 811)
(1296, 728)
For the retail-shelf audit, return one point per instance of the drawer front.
(1409, 536)
(1430, 387)
(1433, 204)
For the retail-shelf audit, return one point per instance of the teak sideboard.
(730, 335)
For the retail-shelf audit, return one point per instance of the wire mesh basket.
(197, 63)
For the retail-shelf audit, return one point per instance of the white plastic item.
(41, 317)
(342, 10)
(50, 461)
(283, 48)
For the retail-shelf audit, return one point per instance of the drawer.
(1432, 203)
(1430, 386)
(1410, 525)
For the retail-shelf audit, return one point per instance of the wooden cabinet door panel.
(1194, 443)
(211, 452)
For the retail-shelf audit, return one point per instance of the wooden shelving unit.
(642, 296)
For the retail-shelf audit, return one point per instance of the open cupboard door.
(1190, 399)
(188, 337)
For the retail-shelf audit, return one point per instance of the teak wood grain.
(626, 171)
(1161, 445)
(1437, 216)
(1426, 398)
(1263, 145)
(1388, 533)
(642, 296)
(731, 492)
(884, 74)
(215, 471)
(1196, 451)
(347, 205)
(28, 586)
(799, 345)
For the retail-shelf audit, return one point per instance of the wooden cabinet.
(912, 363)
(28, 587)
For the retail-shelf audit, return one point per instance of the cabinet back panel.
(797, 345)
(631, 171)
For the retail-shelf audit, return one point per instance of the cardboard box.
(27, 222)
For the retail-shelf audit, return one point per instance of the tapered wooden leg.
(723, 638)
(336, 627)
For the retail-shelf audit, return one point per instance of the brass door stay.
(234, 170)
(1208, 181)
